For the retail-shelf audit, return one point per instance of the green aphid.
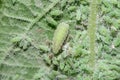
(51, 21)
(59, 37)
(56, 12)
(16, 39)
(78, 14)
(72, 8)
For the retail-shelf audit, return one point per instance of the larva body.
(59, 36)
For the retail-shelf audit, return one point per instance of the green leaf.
(26, 32)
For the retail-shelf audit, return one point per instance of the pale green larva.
(59, 36)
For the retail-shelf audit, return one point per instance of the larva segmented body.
(59, 37)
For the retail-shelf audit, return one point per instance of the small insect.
(59, 37)
(56, 12)
(51, 21)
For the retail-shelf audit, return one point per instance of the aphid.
(51, 21)
(72, 8)
(56, 12)
(59, 37)
(16, 39)
(78, 14)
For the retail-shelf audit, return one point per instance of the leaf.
(21, 60)
(14, 1)
(116, 42)
(26, 35)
